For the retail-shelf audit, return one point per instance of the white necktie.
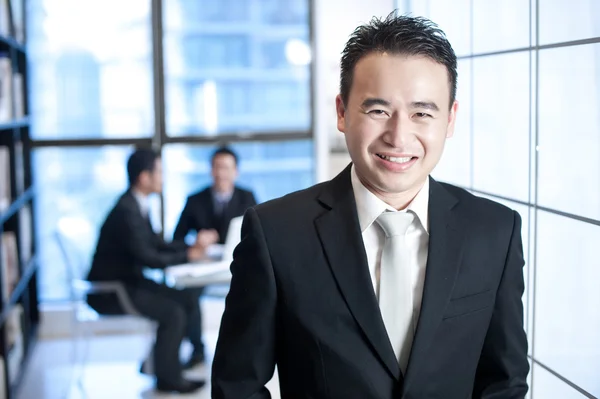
(395, 293)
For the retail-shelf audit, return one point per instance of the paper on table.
(197, 269)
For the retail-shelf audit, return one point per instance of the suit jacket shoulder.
(201, 195)
(127, 203)
(483, 211)
(243, 191)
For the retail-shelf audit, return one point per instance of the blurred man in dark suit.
(209, 212)
(127, 244)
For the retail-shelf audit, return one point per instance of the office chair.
(83, 315)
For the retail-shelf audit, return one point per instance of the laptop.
(233, 238)
(224, 252)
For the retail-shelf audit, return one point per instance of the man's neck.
(226, 191)
(139, 192)
(398, 201)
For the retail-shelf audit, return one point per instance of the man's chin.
(391, 185)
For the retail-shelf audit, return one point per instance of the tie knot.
(395, 223)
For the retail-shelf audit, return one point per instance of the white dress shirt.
(369, 207)
(143, 202)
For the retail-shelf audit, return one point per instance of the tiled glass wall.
(528, 136)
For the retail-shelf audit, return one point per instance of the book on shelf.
(14, 342)
(25, 234)
(4, 19)
(19, 162)
(10, 264)
(2, 378)
(6, 82)
(5, 186)
(19, 89)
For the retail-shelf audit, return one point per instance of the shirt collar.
(369, 207)
(222, 197)
(142, 200)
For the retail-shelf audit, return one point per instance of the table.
(198, 274)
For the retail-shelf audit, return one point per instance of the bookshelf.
(19, 313)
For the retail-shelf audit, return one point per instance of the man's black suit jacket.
(301, 298)
(127, 244)
(199, 213)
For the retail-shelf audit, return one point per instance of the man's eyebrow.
(369, 102)
(425, 105)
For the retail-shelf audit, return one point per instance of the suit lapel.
(207, 201)
(340, 235)
(208, 208)
(445, 241)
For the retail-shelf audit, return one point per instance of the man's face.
(396, 121)
(224, 172)
(151, 181)
(155, 178)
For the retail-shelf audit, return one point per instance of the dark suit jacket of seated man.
(127, 244)
(212, 209)
(328, 288)
(209, 212)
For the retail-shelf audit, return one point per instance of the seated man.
(125, 246)
(209, 212)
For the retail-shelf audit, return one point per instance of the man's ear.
(452, 120)
(341, 113)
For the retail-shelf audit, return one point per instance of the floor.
(111, 370)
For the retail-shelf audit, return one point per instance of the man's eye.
(377, 112)
(422, 115)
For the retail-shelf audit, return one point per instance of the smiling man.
(381, 283)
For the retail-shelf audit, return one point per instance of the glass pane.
(562, 21)
(78, 186)
(237, 66)
(548, 386)
(455, 165)
(501, 125)
(401, 6)
(567, 299)
(92, 73)
(270, 170)
(454, 18)
(500, 25)
(569, 130)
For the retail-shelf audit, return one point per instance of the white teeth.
(395, 159)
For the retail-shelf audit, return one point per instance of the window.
(79, 185)
(548, 386)
(568, 88)
(567, 299)
(232, 67)
(455, 167)
(563, 21)
(236, 66)
(92, 74)
(501, 125)
(500, 25)
(452, 17)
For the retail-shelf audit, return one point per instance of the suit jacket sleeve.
(245, 355)
(503, 366)
(142, 244)
(185, 222)
(173, 246)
